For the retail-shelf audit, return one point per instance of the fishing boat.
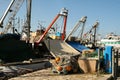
(111, 40)
(18, 56)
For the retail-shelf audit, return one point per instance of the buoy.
(57, 59)
(68, 68)
(59, 68)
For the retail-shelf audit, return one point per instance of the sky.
(106, 12)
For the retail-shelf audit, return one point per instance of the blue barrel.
(108, 59)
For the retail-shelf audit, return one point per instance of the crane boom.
(91, 34)
(12, 10)
(6, 12)
(64, 13)
(82, 20)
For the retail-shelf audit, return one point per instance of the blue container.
(108, 59)
(58, 34)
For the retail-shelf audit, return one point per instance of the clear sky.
(107, 12)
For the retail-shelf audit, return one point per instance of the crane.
(81, 21)
(11, 11)
(64, 13)
(5, 13)
(90, 36)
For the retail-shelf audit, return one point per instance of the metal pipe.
(64, 30)
(98, 70)
(95, 26)
(6, 12)
(37, 42)
(83, 20)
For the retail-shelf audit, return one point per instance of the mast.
(95, 26)
(29, 3)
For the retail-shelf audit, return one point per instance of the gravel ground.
(46, 74)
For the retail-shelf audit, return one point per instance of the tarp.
(9, 36)
(77, 46)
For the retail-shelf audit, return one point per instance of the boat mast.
(94, 36)
(29, 2)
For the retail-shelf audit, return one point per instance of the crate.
(88, 65)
